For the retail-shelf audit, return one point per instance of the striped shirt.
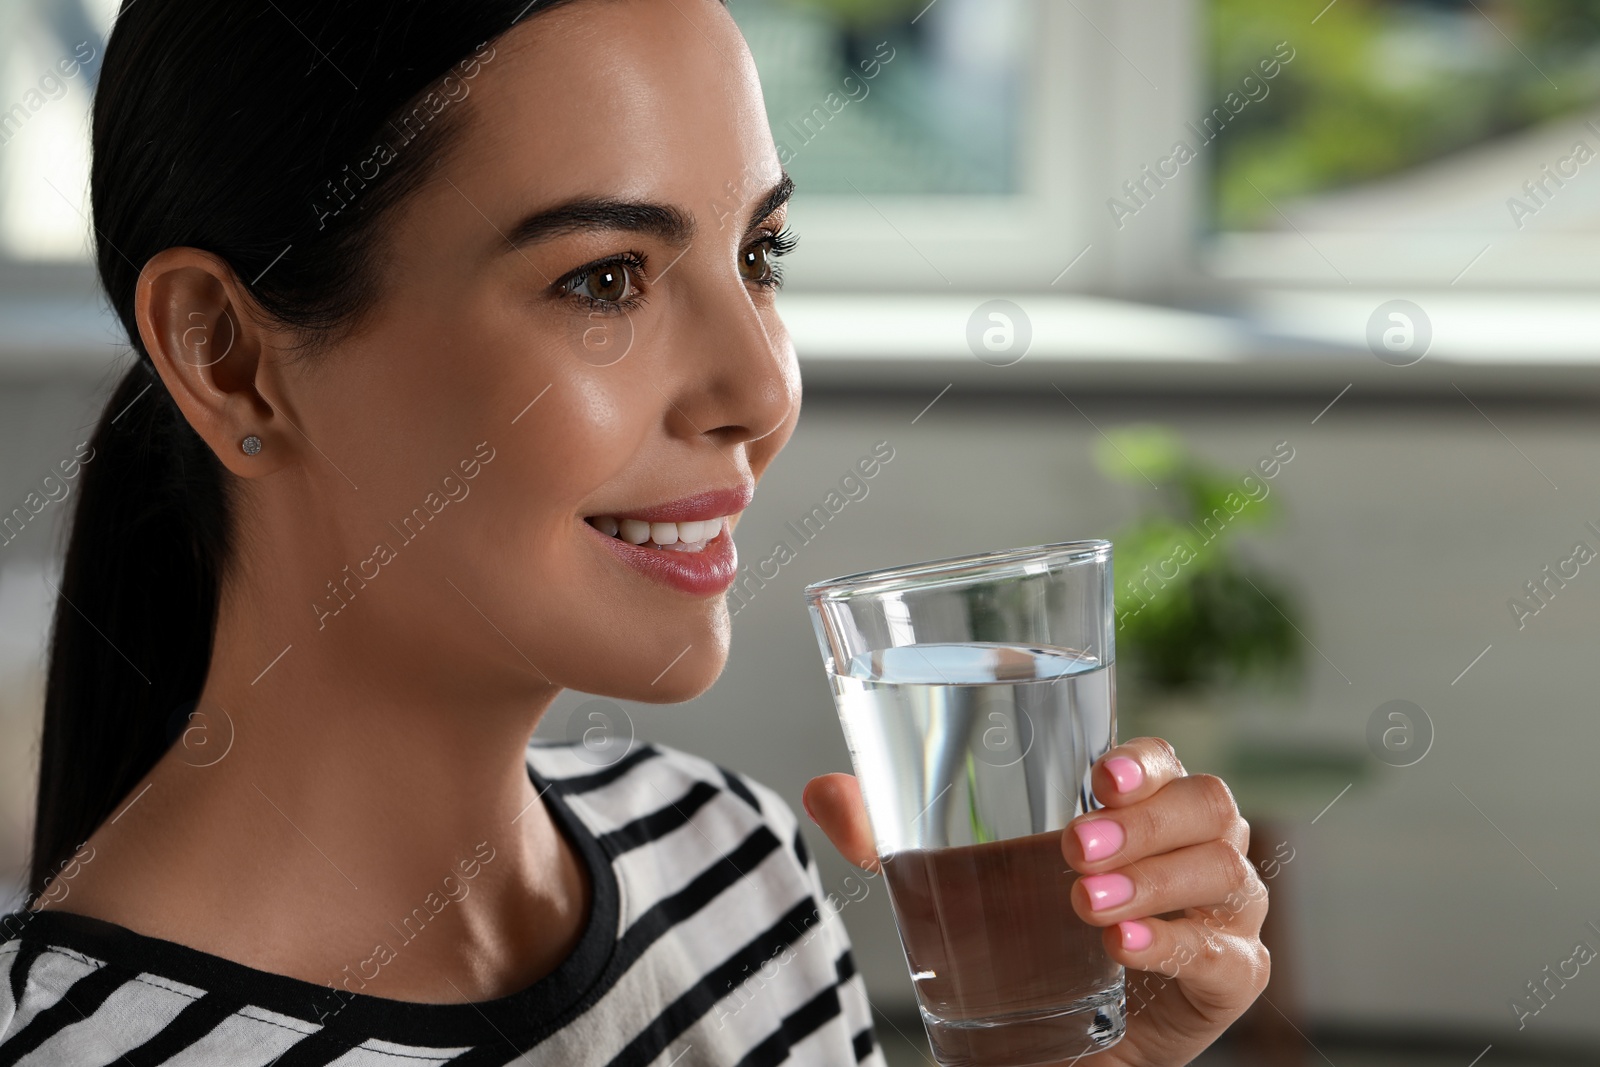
(708, 942)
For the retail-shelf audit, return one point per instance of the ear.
(209, 343)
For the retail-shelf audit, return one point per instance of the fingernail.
(1108, 890)
(806, 803)
(1126, 773)
(1136, 936)
(1100, 838)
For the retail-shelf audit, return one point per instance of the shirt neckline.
(524, 1017)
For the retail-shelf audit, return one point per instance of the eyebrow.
(604, 213)
(775, 199)
(600, 213)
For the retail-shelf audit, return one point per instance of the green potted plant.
(1192, 612)
(1204, 633)
(1198, 623)
(1196, 618)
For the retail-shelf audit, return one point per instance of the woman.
(457, 362)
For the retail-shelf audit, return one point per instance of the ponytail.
(135, 614)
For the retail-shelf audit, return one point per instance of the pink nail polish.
(1108, 890)
(1126, 773)
(1101, 838)
(1136, 936)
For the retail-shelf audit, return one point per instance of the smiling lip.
(707, 572)
(711, 504)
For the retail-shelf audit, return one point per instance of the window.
(957, 150)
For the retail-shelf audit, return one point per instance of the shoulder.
(723, 924)
(40, 967)
(574, 768)
(646, 791)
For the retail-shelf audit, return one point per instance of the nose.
(736, 379)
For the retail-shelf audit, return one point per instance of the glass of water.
(975, 695)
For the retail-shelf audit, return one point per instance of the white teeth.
(633, 531)
(684, 536)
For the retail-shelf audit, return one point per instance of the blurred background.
(1087, 265)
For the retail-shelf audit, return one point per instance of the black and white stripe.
(708, 943)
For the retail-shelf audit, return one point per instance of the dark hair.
(251, 130)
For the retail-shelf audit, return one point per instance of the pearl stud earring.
(251, 445)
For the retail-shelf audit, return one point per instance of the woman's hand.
(1166, 844)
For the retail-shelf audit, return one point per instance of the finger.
(1213, 878)
(1222, 972)
(1190, 811)
(1134, 770)
(834, 803)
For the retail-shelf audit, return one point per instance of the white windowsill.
(1284, 340)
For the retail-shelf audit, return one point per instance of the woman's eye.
(609, 283)
(756, 263)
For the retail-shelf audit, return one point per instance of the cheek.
(598, 412)
(585, 432)
(602, 629)
(589, 429)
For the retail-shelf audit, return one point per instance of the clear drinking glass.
(975, 695)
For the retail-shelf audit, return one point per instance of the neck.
(333, 781)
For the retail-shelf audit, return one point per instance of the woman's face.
(575, 337)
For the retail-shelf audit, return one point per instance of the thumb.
(834, 803)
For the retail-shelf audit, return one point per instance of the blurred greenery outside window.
(1380, 87)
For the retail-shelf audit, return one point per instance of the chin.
(678, 657)
(692, 675)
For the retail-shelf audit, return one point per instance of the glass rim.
(957, 570)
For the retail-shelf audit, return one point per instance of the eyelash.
(778, 245)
